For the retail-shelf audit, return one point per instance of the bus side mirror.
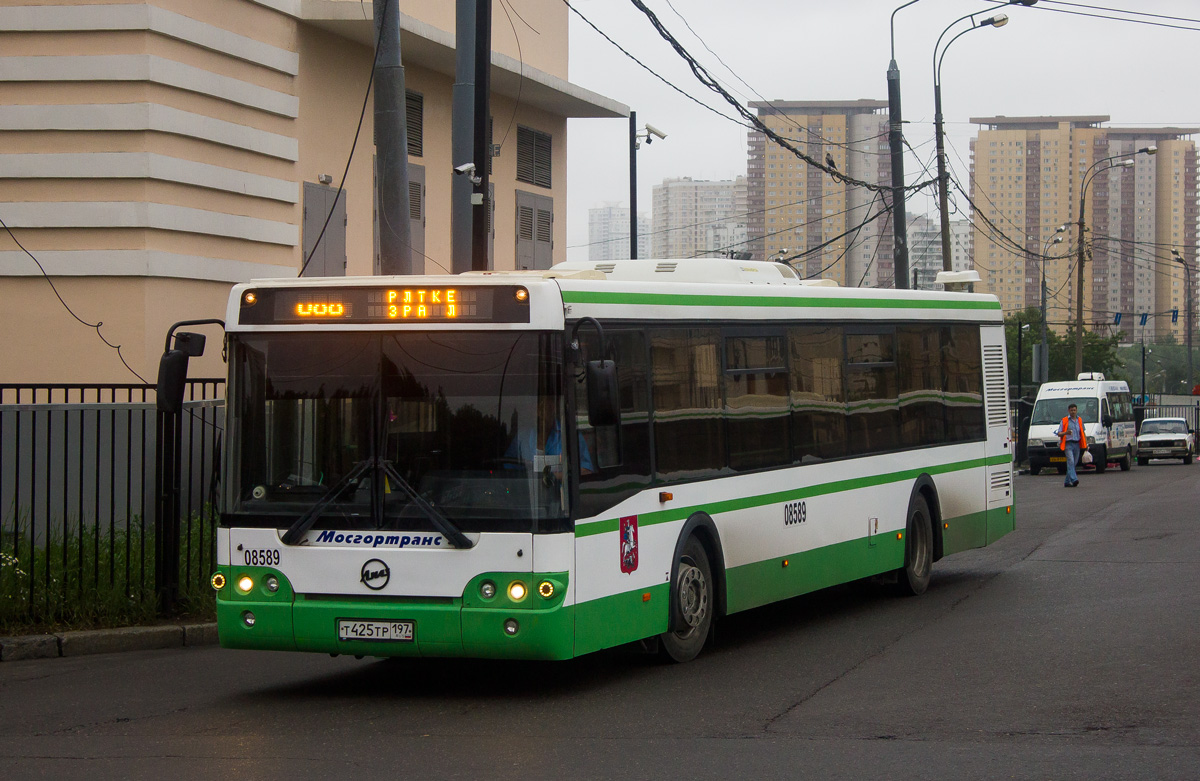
(172, 370)
(1108, 421)
(604, 408)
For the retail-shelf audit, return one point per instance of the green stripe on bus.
(746, 502)
(772, 302)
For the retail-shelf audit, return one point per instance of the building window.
(533, 156)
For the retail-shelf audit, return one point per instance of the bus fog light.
(487, 589)
(511, 627)
(248, 618)
(245, 583)
(272, 583)
(516, 591)
(546, 589)
(218, 581)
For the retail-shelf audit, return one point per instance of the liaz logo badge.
(375, 574)
(629, 544)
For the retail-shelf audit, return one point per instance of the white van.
(1107, 412)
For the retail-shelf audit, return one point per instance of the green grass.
(99, 579)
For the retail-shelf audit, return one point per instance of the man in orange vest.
(1071, 440)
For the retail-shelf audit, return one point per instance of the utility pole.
(1191, 308)
(462, 135)
(391, 146)
(896, 149)
(480, 202)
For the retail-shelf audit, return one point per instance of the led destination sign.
(475, 304)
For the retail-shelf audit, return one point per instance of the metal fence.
(106, 504)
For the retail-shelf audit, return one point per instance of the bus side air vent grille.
(607, 268)
(665, 267)
(1000, 478)
(993, 385)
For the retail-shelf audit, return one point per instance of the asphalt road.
(1070, 649)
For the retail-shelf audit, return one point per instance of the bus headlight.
(517, 591)
(245, 584)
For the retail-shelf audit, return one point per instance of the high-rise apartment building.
(1026, 179)
(925, 249)
(608, 233)
(685, 212)
(797, 209)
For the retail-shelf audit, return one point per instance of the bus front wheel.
(918, 549)
(691, 603)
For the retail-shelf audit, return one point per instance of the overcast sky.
(1041, 63)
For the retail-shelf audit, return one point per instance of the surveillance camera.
(652, 130)
(464, 169)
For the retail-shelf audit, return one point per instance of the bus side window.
(621, 454)
(756, 401)
(817, 393)
(872, 396)
(689, 440)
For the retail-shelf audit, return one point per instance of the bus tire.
(692, 604)
(913, 577)
(1100, 458)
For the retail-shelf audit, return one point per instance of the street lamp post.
(1124, 161)
(1041, 363)
(1020, 358)
(998, 20)
(1191, 307)
(896, 151)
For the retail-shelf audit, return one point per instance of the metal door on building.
(535, 231)
(329, 257)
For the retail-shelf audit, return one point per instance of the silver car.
(1165, 438)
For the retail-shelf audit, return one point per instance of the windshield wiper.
(295, 533)
(439, 521)
(297, 530)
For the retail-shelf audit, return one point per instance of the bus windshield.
(350, 423)
(1048, 412)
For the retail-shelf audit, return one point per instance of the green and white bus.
(543, 464)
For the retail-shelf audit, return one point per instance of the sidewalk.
(105, 641)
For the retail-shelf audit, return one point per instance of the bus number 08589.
(262, 557)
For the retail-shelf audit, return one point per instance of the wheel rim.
(693, 597)
(921, 555)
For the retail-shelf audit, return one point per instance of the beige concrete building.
(798, 208)
(696, 218)
(155, 152)
(1026, 178)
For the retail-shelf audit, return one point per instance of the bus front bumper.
(533, 627)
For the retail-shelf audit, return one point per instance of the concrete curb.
(106, 641)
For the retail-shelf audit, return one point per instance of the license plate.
(378, 631)
(1054, 459)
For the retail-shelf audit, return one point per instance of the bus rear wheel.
(918, 550)
(691, 602)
